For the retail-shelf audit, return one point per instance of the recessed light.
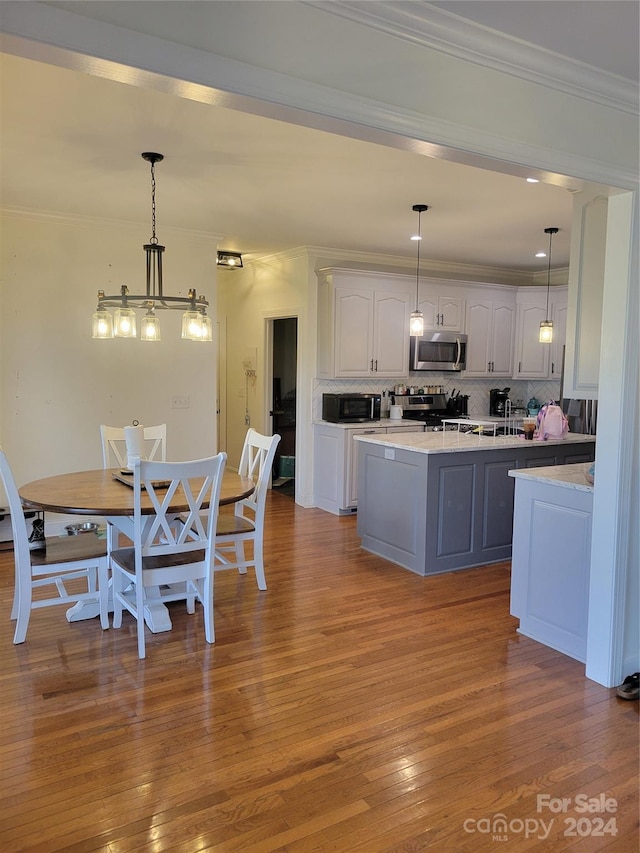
(541, 254)
(533, 181)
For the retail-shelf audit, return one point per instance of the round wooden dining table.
(104, 492)
(109, 493)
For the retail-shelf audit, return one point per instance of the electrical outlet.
(180, 401)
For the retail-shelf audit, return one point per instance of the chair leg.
(103, 593)
(23, 612)
(140, 618)
(240, 558)
(116, 586)
(258, 562)
(206, 587)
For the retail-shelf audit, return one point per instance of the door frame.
(268, 319)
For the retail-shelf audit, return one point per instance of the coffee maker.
(498, 400)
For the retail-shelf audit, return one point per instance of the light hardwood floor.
(353, 707)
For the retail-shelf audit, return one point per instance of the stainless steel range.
(429, 408)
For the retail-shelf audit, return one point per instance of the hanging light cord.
(418, 264)
(154, 239)
(549, 273)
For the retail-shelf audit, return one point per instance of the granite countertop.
(383, 422)
(567, 476)
(456, 442)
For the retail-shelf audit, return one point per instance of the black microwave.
(350, 408)
(438, 351)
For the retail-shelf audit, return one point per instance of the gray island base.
(439, 502)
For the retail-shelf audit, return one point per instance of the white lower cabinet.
(335, 464)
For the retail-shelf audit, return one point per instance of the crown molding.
(421, 23)
(322, 256)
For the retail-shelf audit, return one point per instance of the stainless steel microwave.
(351, 408)
(438, 351)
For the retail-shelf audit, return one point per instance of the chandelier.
(196, 325)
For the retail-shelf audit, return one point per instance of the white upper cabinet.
(535, 360)
(442, 304)
(490, 325)
(363, 325)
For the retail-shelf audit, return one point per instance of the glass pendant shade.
(150, 327)
(124, 320)
(546, 332)
(416, 324)
(102, 326)
(191, 326)
(206, 328)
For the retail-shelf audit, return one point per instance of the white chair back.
(165, 552)
(61, 561)
(246, 525)
(256, 461)
(114, 448)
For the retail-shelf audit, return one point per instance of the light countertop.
(570, 476)
(383, 422)
(456, 442)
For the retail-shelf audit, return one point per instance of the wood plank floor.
(353, 707)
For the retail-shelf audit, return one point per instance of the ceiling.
(71, 145)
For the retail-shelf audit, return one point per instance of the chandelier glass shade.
(545, 335)
(196, 325)
(416, 321)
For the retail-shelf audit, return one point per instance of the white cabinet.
(336, 462)
(490, 326)
(533, 359)
(441, 310)
(551, 556)
(363, 325)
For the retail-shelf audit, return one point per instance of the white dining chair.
(246, 524)
(114, 448)
(165, 553)
(64, 559)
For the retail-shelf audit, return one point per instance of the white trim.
(425, 25)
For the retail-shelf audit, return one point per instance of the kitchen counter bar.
(458, 442)
(439, 502)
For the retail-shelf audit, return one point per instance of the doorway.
(284, 369)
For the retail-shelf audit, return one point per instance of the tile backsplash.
(476, 389)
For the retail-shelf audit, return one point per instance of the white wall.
(58, 384)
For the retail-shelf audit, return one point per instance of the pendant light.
(546, 326)
(416, 322)
(196, 325)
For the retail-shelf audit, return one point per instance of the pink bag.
(551, 422)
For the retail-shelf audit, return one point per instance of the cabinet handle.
(553, 367)
(519, 366)
(376, 368)
(371, 368)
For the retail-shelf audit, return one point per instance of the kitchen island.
(439, 502)
(550, 564)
